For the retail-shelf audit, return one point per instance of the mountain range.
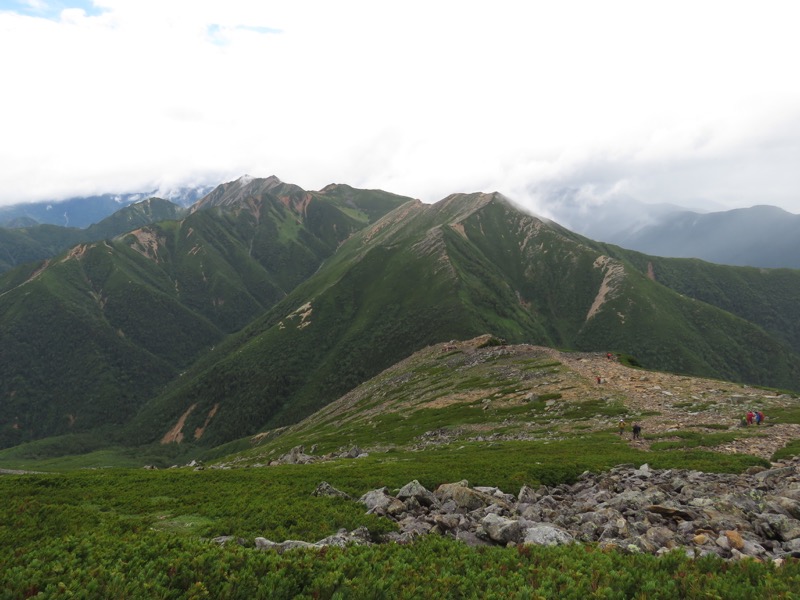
(83, 211)
(265, 302)
(758, 236)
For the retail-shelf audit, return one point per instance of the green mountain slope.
(769, 298)
(120, 318)
(430, 273)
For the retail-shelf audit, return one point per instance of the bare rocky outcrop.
(756, 514)
(298, 456)
(753, 515)
(326, 489)
(341, 538)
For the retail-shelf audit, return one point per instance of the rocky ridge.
(545, 388)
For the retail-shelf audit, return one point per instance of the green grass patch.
(595, 408)
(784, 415)
(693, 439)
(788, 451)
(718, 426)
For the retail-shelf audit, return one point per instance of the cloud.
(657, 102)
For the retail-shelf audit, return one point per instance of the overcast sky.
(695, 103)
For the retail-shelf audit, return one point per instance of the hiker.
(637, 431)
(621, 426)
(759, 417)
(608, 355)
(599, 380)
(750, 416)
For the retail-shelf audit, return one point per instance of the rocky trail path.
(672, 402)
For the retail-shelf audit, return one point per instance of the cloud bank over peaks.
(658, 103)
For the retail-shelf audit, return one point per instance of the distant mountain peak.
(459, 206)
(238, 191)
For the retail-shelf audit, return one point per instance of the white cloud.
(676, 101)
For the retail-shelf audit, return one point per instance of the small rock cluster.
(358, 536)
(298, 456)
(755, 515)
(195, 465)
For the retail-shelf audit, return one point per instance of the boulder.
(464, 496)
(326, 489)
(281, 547)
(527, 495)
(672, 512)
(296, 456)
(358, 537)
(417, 491)
(502, 530)
(381, 503)
(540, 534)
(734, 539)
(779, 527)
(662, 537)
(783, 505)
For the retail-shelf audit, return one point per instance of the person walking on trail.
(621, 426)
(750, 416)
(637, 431)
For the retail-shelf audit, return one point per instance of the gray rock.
(358, 537)
(778, 527)
(381, 503)
(354, 452)
(281, 547)
(771, 474)
(296, 456)
(471, 539)
(783, 505)
(662, 537)
(326, 489)
(634, 509)
(501, 529)
(417, 491)
(541, 534)
(527, 495)
(464, 496)
(672, 512)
